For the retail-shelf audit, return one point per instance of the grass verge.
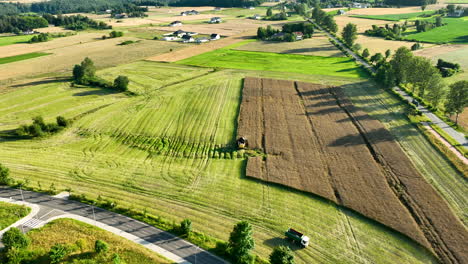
(10, 213)
(21, 57)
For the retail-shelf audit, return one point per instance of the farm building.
(215, 20)
(201, 40)
(215, 36)
(189, 13)
(170, 38)
(119, 16)
(341, 12)
(256, 17)
(175, 24)
(299, 35)
(187, 38)
(217, 9)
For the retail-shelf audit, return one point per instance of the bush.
(186, 226)
(4, 175)
(39, 128)
(62, 121)
(282, 255)
(101, 247)
(13, 238)
(121, 83)
(57, 253)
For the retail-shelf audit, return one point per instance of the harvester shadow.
(277, 241)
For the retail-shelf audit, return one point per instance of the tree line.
(75, 22)
(323, 19)
(17, 24)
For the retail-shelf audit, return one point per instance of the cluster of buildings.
(213, 20)
(188, 37)
(189, 13)
(352, 5)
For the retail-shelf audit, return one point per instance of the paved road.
(459, 137)
(51, 207)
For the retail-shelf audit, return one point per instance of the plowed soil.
(315, 140)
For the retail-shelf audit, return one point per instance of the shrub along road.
(149, 234)
(459, 137)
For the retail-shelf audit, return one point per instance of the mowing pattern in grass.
(22, 57)
(10, 213)
(226, 58)
(5, 41)
(170, 152)
(456, 31)
(394, 17)
(68, 231)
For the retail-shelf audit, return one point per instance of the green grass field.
(394, 17)
(264, 61)
(456, 31)
(21, 57)
(170, 151)
(10, 213)
(4, 41)
(68, 231)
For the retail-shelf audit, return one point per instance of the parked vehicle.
(297, 237)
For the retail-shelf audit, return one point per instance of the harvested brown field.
(17, 49)
(104, 53)
(315, 140)
(193, 50)
(51, 29)
(318, 45)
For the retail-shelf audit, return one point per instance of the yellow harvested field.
(438, 50)
(193, 50)
(104, 53)
(178, 10)
(318, 45)
(17, 49)
(186, 18)
(375, 44)
(384, 11)
(362, 24)
(52, 30)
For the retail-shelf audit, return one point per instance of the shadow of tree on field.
(43, 81)
(98, 91)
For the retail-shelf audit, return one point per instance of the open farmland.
(21, 57)
(318, 45)
(304, 143)
(171, 152)
(395, 17)
(456, 31)
(249, 60)
(4, 41)
(68, 231)
(105, 53)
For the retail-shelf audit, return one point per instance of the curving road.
(459, 137)
(51, 208)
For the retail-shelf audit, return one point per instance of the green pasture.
(5, 41)
(456, 31)
(21, 57)
(394, 17)
(10, 213)
(170, 151)
(263, 61)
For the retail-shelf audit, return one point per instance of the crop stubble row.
(315, 140)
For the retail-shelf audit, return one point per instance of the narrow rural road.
(52, 207)
(459, 137)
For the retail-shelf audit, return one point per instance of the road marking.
(32, 223)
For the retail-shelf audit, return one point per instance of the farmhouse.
(119, 16)
(279, 35)
(170, 38)
(175, 24)
(217, 9)
(189, 13)
(215, 36)
(341, 12)
(359, 5)
(28, 32)
(202, 40)
(187, 38)
(215, 20)
(257, 17)
(298, 35)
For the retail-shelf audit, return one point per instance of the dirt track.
(315, 140)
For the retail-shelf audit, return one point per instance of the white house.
(187, 38)
(257, 17)
(201, 40)
(170, 38)
(341, 12)
(215, 20)
(357, 5)
(175, 24)
(215, 36)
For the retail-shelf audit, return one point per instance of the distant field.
(456, 31)
(394, 17)
(10, 213)
(22, 57)
(318, 45)
(68, 231)
(171, 151)
(4, 41)
(264, 61)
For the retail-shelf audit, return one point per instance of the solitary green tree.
(282, 255)
(4, 175)
(349, 34)
(241, 243)
(457, 99)
(376, 58)
(388, 53)
(269, 12)
(84, 72)
(13, 238)
(365, 53)
(57, 253)
(186, 226)
(121, 83)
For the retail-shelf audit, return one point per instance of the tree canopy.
(241, 242)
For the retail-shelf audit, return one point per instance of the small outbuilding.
(187, 38)
(175, 24)
(215, 20)
(215, 36)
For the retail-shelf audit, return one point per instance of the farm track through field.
(371, 164)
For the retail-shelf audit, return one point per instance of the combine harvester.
(298, 237)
